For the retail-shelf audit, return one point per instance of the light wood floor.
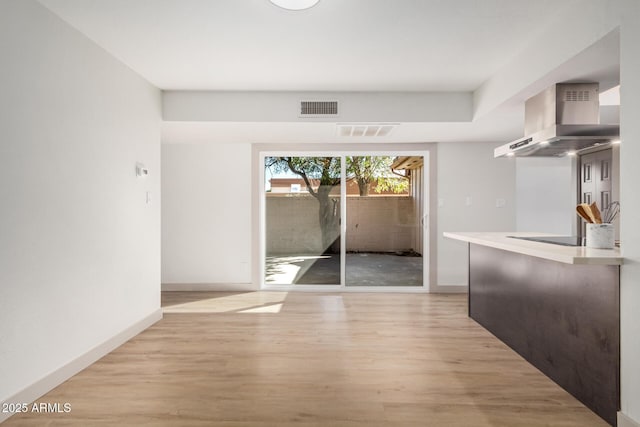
(278, 359)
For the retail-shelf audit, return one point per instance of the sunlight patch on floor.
(249, 302)
(283, 270)
(273, 308)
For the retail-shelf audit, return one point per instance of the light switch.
(148, 197)
(468, 201)
(440, 203)
(500, 203)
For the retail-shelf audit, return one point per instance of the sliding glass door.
(302, 220)
(384, 230)
(343, 220)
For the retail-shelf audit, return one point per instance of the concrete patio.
(362, 269)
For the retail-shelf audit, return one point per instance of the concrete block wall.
(380, 224)
(292, 225)
(374, 224)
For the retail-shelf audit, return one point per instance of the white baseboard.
(49, 382)
(214, 287)
(625, 421)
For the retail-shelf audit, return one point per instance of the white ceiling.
(338, 45)
(352, 45)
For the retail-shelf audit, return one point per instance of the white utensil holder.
(601, 236)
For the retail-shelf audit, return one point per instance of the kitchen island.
(557, 306)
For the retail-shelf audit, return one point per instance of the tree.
(368, 169)
(322, 174)
(325, 171)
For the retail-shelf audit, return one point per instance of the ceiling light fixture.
(295, 4)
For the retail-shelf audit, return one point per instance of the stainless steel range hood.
(561, 120)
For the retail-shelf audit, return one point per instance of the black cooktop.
(555, 240)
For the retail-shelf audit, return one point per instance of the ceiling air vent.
(365, 129)
(318, 109)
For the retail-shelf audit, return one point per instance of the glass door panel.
(302, 220)
(384, 211)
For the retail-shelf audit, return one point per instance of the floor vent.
(318, 108)
(365, 129)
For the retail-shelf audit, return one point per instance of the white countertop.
(565, 254)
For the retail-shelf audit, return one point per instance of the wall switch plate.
(148, 198)
(501, 203)
(440, 203)
(468, 201)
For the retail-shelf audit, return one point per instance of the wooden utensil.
(582, 211)
(596, 213)
(589, 212)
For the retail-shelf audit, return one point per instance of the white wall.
(630, 202)
(206, 213)
(579, 25)
(273, 106)
(207, 235)
(546, 191)
(210, 217)
(468, 170)
(79, 247)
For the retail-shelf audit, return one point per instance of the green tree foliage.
(320, 175)
(369, 169)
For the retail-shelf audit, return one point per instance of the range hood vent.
(561, 120)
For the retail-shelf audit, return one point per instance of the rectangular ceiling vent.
(365, 129)
(576, 96)
(318, 109)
